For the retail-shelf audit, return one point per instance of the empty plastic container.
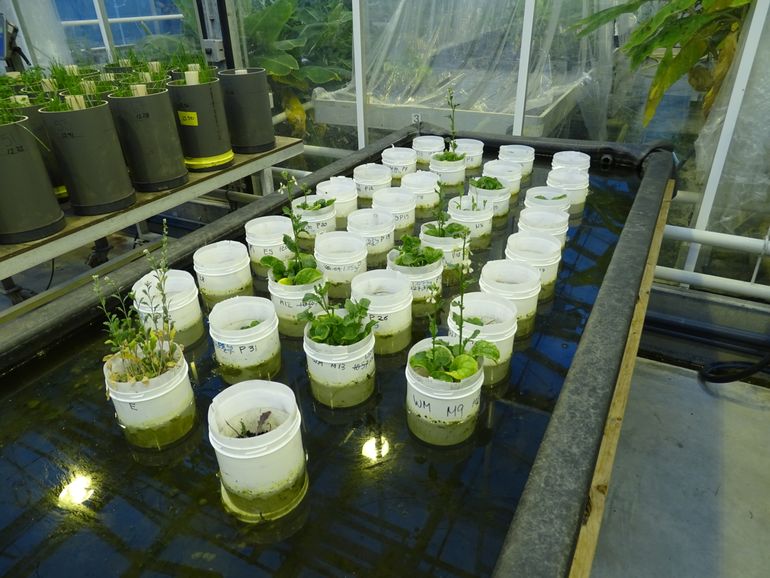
(426, 146)
(340, 256)
(517, 282)
(522, 154)
(541, 251)
(223, 271)
(400, 161)
(377, 228)
(553, 223)
(571, 160)
(369, 178)
(390, 305)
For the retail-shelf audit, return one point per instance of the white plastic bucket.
(499, 316)
(472, 149)
(541, 251)
(153, 414)
(572, 182)
(547, 199)
(223, 271)
(376, 227)
(390, 305)
(318, 221)
(553, 223)
(423, 184)
(478, 221)
(498, 199)
(343, 191)
(452, 247)
(264, 236)
(450, 173)
(426, 146)
(340, 375)
(289, 302)
(423, 280)
(522, 154)
(184, 309)
(400, 203)
(262, 477)
(371, 177)
(400, 161)
(571, 160)
(517, 282)
(508, 173)
(340, 256)
(240, 348)
(438, 412)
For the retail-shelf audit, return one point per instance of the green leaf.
(289, 43)
(714, 5)
(265, 26)
(463, 366)
(319, 74)
(487, 183)
(591, 23)
(420, 359)
(441, 356)
(275, 265)
(483, 348)
(307, 276)
(443, 376)
(308, 261)
(278, 64)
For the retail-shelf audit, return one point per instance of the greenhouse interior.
(424, 288)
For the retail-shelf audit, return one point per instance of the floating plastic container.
(152, 414)
(498, 199)
(371, 177)
(400, 203)
(390, 304)
(450, 173)
(516, 282)
(424, 185)
(340, 256)
(472, 149)
(318, 221)
(263, 477)
(425, 282)
(377, 228)
(244, 331)
(547, 199)
(541, 251)
(223, 271)
(426, 146)
(400, 161)
(499, 316)
(440, 413)
(478, 219)
(572, 182)
(340, 376)
(507, 172)
(264, 236)
(343, 191)
(549, 222)
(184, 310)
(522, 154)
(289, 302)
(452, 247)
(571, 160)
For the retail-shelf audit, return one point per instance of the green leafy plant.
(263, 426)
(333, 329)
(316, 205)
(253, 323)
(301, 269)
(700, 29)
(411, 253)
(556, 198)
(487, 183)
(451, 155)
(441, 228)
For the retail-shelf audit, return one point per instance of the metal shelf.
(81, 230)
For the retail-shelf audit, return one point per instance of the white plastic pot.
(289, 302)
(423, 184)
(472, 149)
(438, 412)
(541, 251)
(426, 146)
(242, 351)
(390, 305)
(522, 154)
(340, 375)
(154, 414)
(478, 220)
(571, 160)
(423, 280)
(572, 182)
(400, 203)
(223, 271)
(508, 173)
(318, 221)
(547, 199)
(263, 477)
(340, 256)
(498, 199)
(500, 325)
(549, 222)
(452, 247)
(377, 228)
(371, 177)
(516, 282)
(400, 161)
(450, 173)
(345, 194)
(264, 236)
(184, 310)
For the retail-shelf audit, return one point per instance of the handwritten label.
(187, 118)
(443, 410)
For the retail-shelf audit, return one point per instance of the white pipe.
(712, 239)
(714, 283)
(520, 105)
(328, 152)
(280, 117)
(122, 20)
(687, 197)
(358, 73)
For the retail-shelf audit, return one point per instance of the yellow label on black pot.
(187, 118)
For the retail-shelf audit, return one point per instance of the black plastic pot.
(202, 124)
(148, 135)
(86, 144)
(28, 208)
(247, 104)
(36, 124)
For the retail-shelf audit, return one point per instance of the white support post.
(104, 28)
(359, 73)
(520, 106)
(756, 18)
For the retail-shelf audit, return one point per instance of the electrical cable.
(727, 371)
(50, 279)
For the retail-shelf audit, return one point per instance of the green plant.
(333, 329)
(556, 198)
(316, 205)
(301, 269)
(487, 183)
(411, 253)
(701, 29)
(441, 228)
(451, 155)
(146, 350)
(263, 426)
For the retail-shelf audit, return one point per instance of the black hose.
(728, 371)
